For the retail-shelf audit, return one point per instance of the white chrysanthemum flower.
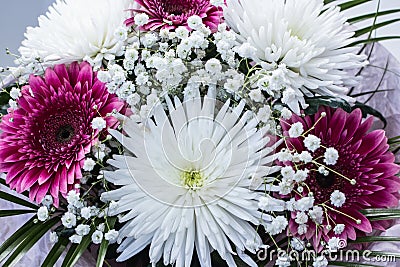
(308, 37)
(74, 30)
(188, 184)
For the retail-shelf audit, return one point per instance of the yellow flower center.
(192, 179)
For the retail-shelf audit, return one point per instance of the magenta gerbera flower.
(169, 14)
(363, 176)
(44, 141)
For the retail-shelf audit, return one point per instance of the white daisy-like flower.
(74, 30)
(188, 185)
(310, 38)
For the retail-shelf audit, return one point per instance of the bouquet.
(198, 133)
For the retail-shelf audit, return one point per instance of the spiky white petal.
(306, 36)
(73, 30)
(212, 208)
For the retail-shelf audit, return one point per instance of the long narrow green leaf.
(380, 212)
(17, 200)
(3, 182)
(15, 239)
(104, 245)
(374, 27)
(379, 84)
(368, 239)
(6, 213)
(352, 3)
(367, 110)
(394, 140)
(372, 92)
(55, 252)
(374, 40)
(76, 250)
(384, 218)
(372, 15)
(31, 238)
(350, 264)
(102, 253)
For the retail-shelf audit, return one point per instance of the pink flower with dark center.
(363, 156)
(169, 14)
(44, 141)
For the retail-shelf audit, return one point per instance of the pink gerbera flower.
(44, 141)
(364, 172)
(169, 14)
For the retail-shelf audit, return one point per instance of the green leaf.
(372, 15)
(316, 102)
(384, 218)
(353, 3)
(17, 200)
(31, 238)
(372, 92)
(394, 140)
(76, 250)
(380, 212)
(3, 182)
(394, 143)
(4, 97)
(350, 264)
(369, 239)
(367, 110)
(374, 27)
(104, 244)
(6, 213)
(374, 40)
(15, 239)
(55, 252)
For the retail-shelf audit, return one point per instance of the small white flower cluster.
(271, 79)
(43, 213)
(99, 150)
(174, 62)
(15, 93)
(298, 169)
(80, 218)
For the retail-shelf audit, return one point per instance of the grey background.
(16, 15)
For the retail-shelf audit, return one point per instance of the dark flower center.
(65, 133)
(178, 8)
(325, 181)
(175, 9)
(61, 129)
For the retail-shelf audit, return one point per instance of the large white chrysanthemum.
(73, 30)
(306, 36)
(188, 185)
